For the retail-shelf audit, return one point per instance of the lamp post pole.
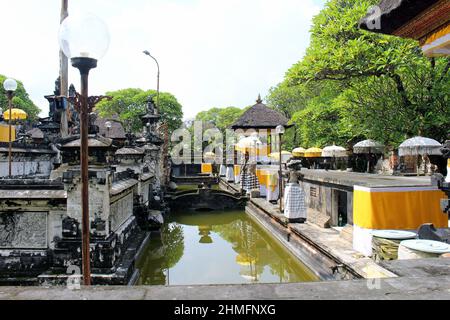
(64, 73)
(281, 174)
(10, 95)
(84, 49)
(157, 79)
(10, 86)
(84, 65)
(280, 131)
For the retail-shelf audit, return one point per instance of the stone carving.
(57, 91)
(23, 230)
(151, 105)
(121, 210)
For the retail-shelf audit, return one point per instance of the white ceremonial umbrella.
(419, 146)
(368, 147)
(334, 152)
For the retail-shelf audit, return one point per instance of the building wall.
(26, 164)
(322, 200)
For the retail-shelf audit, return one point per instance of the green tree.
(130, 104)
(222, 118)
(21, 100)
(367, 85)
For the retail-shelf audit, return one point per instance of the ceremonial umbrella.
(368, 147)
(285, 155)
(17, 114)
(249, 144)
(334, 152)
(298, 152)
(419, 146)
(313, 153)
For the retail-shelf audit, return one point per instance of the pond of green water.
(217, 248)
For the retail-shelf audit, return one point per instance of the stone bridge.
(206, 199)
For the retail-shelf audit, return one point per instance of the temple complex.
(40, 232)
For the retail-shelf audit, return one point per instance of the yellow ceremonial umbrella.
(276, 155)
(298, 152)
(313, 153)
(17, 114)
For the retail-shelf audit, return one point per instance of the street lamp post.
(84, 39)
(157, 80)
(10, 86)
(280, 131)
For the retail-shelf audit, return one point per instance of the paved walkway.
(423, 288)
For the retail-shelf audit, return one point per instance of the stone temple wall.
(26, 162)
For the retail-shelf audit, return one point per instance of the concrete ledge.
(326, 243)
(384, 289)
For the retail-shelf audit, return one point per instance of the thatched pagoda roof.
(260, 116)
(395, 14)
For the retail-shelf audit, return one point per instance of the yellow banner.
(398, 208)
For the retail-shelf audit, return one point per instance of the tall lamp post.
(84, 39)
(157, 79)
(280, 131)
(10, 86)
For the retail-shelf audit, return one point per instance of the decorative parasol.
(249, 144)
(313, 153)
(17, 114)
(420, 146)
(285, 155)
(368, 146)
(210, 157)
(334, 152)
(298, 152)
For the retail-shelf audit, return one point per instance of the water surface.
(217, 248)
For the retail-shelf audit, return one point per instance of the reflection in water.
(232, 249)
(205, 232)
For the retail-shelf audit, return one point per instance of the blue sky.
(212, 53)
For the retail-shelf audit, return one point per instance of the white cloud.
(211, 52)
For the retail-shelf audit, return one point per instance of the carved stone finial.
(72, 90)
(57, 91)
(151, 105)
(259, 100)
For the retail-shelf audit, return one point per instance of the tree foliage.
(131, 104)
(222, 118)
(353, 84)
(21, 100)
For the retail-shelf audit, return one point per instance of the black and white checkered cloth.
(294, 201)
(249, 181)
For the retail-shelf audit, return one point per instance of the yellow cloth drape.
(4, 133)
(206, 168)
(438, 43)
(272, 180)
(267, 178)
(398, 208)
(237, 170)
(445, 30)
